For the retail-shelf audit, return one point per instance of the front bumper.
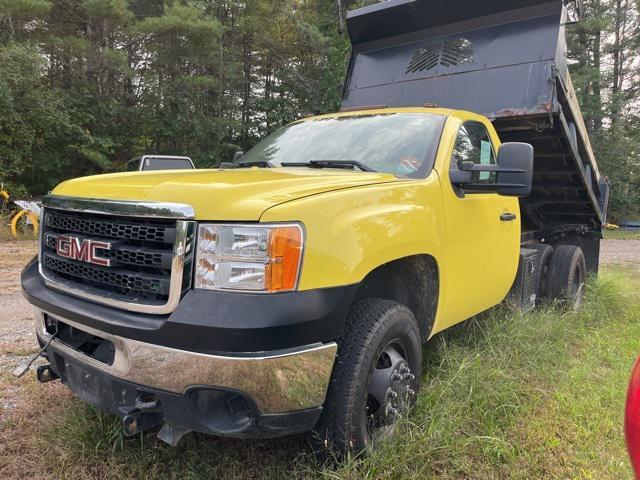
(277, 382)
(271, 354)
(208, 410)
(210, 322)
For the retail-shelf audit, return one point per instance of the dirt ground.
(17, 338)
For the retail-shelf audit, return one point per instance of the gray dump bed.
(505, 59)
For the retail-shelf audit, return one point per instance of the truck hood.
(220, 195)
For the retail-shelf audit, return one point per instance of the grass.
(5, 230)
(622, 234)
(504, 396)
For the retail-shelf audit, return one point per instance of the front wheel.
(375, 378)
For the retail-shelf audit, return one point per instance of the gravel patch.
(624, 252)
(17, 337)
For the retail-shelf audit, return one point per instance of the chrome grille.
(153, 286)
(121, 254)
(107, 228)
(150, 257)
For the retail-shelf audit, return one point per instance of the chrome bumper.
(278, 383)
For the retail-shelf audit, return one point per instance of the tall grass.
(503, 395)
(491, 386)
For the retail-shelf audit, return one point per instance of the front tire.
(375, 378)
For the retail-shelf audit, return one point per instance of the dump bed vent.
(448, 54)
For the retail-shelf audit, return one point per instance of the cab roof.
(446, 112)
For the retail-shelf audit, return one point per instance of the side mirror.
(514, 172)
(237, 156)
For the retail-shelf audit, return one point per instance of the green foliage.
(616, 150)
(87, 84)
(34, 121)
(24, 9)
(604, 54)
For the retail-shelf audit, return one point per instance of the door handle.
(507, 217)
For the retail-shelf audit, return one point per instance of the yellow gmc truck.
(292, 290)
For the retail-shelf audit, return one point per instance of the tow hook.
(146, 414)
(44, 374)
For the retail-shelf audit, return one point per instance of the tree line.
(605, 66)
(87, 84)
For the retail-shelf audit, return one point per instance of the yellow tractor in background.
(24, 215)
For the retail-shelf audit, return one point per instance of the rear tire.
(567, 274)
(374, 381)
(545, 253)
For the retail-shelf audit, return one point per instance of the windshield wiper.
(258, 163)
(330, 164)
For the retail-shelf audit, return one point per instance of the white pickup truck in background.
(159, 162)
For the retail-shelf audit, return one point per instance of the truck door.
(482, 231)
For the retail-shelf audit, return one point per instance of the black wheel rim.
(389, 392)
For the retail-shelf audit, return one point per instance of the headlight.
(245, 257)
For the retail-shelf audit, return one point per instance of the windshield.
(403, 144)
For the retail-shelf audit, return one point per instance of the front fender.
(350, 232)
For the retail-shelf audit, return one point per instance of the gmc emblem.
(82, 250)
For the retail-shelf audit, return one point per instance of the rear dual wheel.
(561, 274)
(567, 275)
(375, 378)
(543, 261)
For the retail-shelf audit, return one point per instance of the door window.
(473, 144)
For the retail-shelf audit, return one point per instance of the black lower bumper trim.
(211, 322)
(208, 410)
